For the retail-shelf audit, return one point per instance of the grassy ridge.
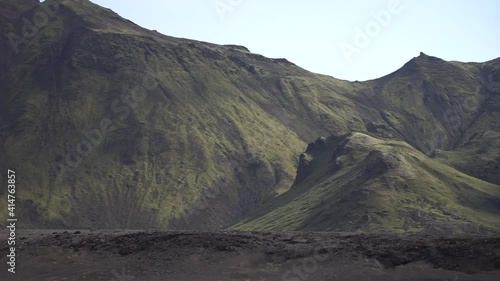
(360, 183)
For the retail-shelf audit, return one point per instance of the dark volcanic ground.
(155, 256)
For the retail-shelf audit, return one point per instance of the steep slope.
(360, 183)
(477, 151)
(111, 125)
(433, 103)
(478, 157)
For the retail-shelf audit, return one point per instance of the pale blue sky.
(318, 34)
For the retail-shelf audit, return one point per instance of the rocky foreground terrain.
(160, 256)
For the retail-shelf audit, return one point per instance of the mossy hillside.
(186, 136)
(483, 150)
(477, 150)
(200, 133)
(382, 186)
(431, 102)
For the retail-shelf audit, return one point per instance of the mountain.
(110, 125)
(478, 157)
(357, 182)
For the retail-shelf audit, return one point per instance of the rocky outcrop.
(304, 169)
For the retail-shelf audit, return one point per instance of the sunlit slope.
(478, 157)
(170, 123)
(359, 183)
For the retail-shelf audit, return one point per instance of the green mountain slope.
(206, 122)
(360, 183)
(478, 157)
(111, 125)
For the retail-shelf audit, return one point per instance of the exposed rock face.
(304, 170)
(238, 47)
(319, 144)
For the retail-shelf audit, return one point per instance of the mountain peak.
(417, 64)
(423, 57)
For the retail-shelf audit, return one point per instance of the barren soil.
(160, 256)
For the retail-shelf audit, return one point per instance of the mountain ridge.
(359, 183)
